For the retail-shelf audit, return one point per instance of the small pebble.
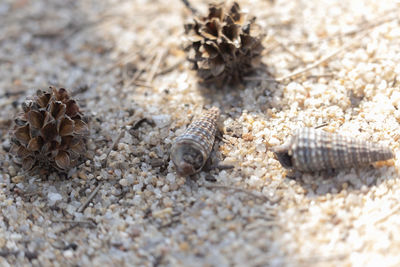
(82, 175)
(53, 198)
(12, 171)
(123, 182)
(17, 179)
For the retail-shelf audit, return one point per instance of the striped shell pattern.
(310, 150)
(191, 150)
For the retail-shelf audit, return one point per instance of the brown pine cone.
(50, 132)
(224, 46)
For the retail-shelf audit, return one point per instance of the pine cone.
(50, 132)
(224, 45)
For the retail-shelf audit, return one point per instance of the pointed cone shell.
(311, 150)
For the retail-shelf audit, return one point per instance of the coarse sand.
(334, 63)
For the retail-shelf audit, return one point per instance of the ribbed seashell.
(191, 150)
(311, 150)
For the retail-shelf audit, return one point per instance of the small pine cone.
(224, 46)
(50, 132)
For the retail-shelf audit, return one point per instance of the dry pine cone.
(50, 132)
(224, 46)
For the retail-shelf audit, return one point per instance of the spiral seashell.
(310, 150)
(191, 150)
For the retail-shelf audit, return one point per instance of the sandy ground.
(123, 61)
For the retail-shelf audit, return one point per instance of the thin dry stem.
(383, 218)
(237, 189)
(121, 134)
(73, 221)
(140, 71)
(366, 26)
(189, 6)
(322, 60)
(170, 68)
(287, 49)
(89, 199)
(159, 56)
(140, 84)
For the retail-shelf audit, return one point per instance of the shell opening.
(193, 157)
(283, 155)
(284, 159)
(187, 159)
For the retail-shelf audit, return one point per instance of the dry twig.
(170, 68)
(396, 209)
(12, 94)
(329, 56)
(74, 221)
(241, 190)
(121, 134)
(140, 84)
(394, 81)
(318, 258)
(158, 57)
(366, 26)
(141, 70)
(287, 49)
(65, 230)
(89, 199)
(316, 76)
(322, 60)
(190, 7)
